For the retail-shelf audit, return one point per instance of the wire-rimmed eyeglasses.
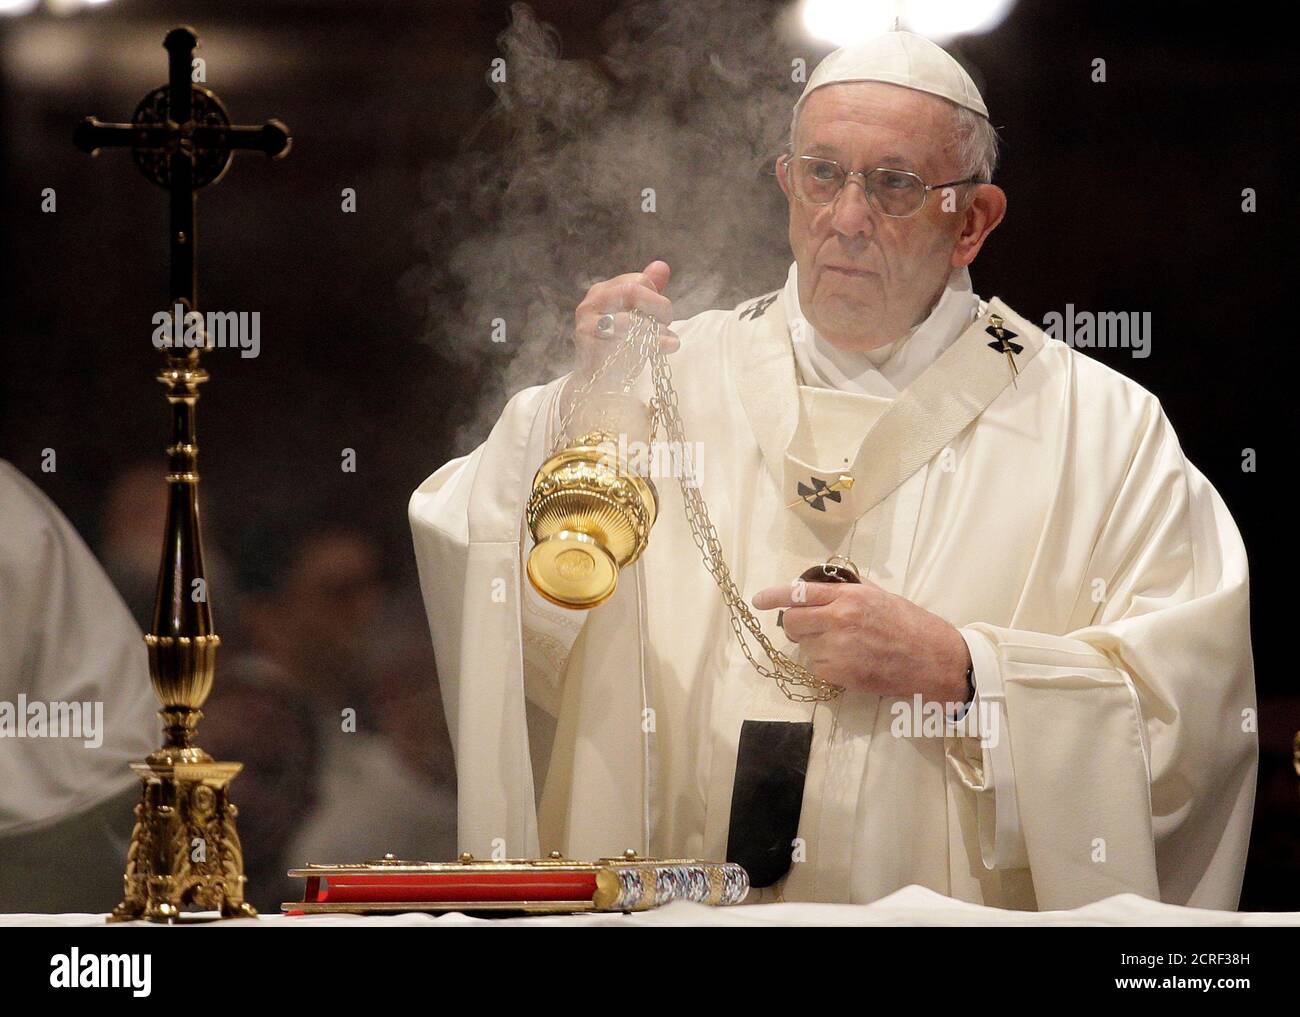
(896, 193)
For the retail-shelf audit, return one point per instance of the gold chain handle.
(627, 348)
(788, 674)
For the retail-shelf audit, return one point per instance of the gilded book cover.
(552, 885)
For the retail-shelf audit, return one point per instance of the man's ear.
(781, 177)
(981, 218)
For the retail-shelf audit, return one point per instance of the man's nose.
(851, 212)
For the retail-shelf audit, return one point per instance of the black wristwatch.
(970, 683)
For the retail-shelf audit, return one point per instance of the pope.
(1026, 533)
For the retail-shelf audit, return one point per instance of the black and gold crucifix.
(1002, 337)
(185, 852)
(182, 140)
(817, 495)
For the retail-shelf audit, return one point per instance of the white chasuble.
(76, 706)
(1054, 520)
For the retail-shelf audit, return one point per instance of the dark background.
(1123, 196)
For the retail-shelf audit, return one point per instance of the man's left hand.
(862, 637)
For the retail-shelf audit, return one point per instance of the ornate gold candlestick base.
(185, 851)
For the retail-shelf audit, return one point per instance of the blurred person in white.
(66, 637)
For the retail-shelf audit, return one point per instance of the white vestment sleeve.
(66, 637)
(1123, 760)
(444, 501)
(494, 653)
(549, 630)
(1001, 844)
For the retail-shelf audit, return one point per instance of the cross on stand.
(182, 140)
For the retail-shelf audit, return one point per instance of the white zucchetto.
(899, 58)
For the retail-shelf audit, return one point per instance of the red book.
(545, 885)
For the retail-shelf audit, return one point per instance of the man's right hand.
(617, 297)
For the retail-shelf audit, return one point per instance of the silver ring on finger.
(605, 325)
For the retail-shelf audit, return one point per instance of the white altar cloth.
(912, 905)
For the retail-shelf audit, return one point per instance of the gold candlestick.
(185, 852)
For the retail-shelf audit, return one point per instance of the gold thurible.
(590, 516)
(589, 513)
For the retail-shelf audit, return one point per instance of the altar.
(910, 906)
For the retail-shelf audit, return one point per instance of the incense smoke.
(546, 196)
